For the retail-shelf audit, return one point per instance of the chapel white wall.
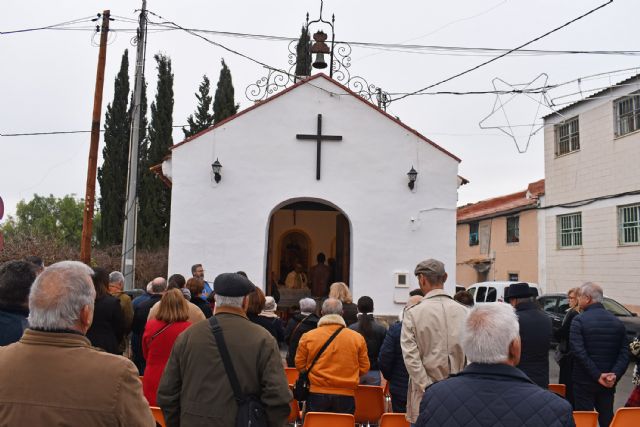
(225, 225)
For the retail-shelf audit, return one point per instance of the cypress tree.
(203, 118)
(303, 54)
(154, 196)
(112, 175)
(223, 103)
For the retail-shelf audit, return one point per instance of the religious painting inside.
(308, 249)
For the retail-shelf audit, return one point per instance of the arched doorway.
(299, 230)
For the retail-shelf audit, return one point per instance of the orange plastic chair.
(585, 418)
(324, 419)
(393, 420)
(387, 397)
(140, 377)
(369, 404)
(294, 413)
(626, 417)
(560, 389)
(292, 375)
(157, 415)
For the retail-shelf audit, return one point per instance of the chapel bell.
(320, 48)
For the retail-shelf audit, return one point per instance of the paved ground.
(623, 390)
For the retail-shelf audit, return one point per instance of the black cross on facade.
(319, 137)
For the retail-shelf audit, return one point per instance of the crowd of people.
(74, 345)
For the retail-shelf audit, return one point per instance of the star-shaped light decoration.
(524, 99)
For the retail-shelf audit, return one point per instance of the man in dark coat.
(491, 391)
(16, 278)
(140, 314)
(301, 322)
(195, 389)
(535, 333)
(391, 363)
(600, 349)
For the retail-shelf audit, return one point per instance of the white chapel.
(314, 168)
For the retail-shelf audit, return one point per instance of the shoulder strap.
(324, 347)
(159, 331)
(298, 325)
(224, 353)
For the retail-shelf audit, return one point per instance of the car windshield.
(615, 307)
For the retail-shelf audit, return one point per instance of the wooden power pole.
(89, 199)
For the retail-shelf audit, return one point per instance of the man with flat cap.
(535, 333)
(195, 390)
(430, 337)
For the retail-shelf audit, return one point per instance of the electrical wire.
(48, 27)
(448, 79)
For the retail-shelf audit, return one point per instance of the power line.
(49, 27)
(504, 54)
(63, 132)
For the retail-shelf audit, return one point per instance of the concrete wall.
(520, 257)
(225, 225)
(605, 165)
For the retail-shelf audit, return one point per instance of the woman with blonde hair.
(159, 335)
(564, 356)
(340, 290)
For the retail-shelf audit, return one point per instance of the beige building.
(590, 216)
(497, 239)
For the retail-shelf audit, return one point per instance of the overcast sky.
(48, 77)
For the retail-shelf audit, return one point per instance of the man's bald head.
(158, 285)
(332, 306)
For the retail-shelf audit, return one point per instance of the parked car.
(494, 291)
(556, 305)
(133, 293)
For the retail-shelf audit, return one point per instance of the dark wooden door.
(343, 243)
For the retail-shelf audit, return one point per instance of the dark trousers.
(331, 403)
(566, 370)
(590, 396)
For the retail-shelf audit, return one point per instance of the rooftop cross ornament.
(319, 137)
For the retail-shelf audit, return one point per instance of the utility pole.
(89, 199)
(131, 206)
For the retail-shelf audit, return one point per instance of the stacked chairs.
(387, 398)
(369, 404)
(294, 413)
(325, 419)
(585, 418)
(560, 389)
(157, 415)
(626, 417)
(393, 420)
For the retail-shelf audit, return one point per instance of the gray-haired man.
(491, 391)
(599, 345)
(53, 376)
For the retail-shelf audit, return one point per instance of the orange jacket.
(340, 366)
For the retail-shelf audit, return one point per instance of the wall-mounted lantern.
(413, 175)
(216, 167)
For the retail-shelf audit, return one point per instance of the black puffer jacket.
(492, 396)
(599, 345)
(292, 335)
(535, 335)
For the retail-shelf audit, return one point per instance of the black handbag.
(301, 387)
(250, 409)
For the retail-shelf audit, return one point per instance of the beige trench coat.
(430, 342)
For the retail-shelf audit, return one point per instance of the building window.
(513, 277)
(473, 233)
(570, 230)
(627, 113)
(567, 137)
(513, 229)
(629, 224)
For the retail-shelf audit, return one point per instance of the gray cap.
(430, 266)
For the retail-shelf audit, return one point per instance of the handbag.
(301, 387)
(250, 409)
